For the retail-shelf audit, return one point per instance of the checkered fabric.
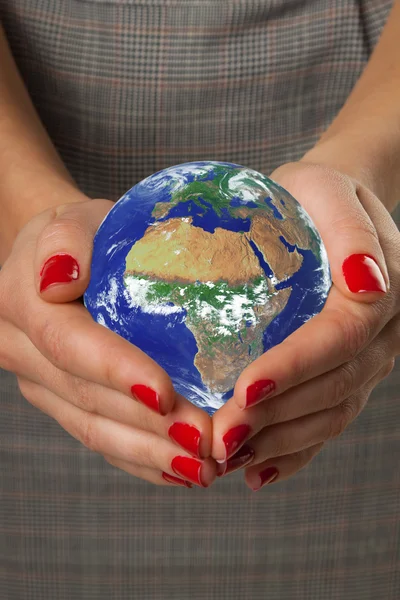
(126, 88)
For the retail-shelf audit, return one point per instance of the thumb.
(64, 249)
(332, 200)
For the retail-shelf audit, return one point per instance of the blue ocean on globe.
(205, 266)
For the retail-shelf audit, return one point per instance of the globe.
(205, 266)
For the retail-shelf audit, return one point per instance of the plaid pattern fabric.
(126, 88)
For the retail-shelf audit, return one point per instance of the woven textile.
(126, 88)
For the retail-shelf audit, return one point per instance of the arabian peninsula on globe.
(205, 266)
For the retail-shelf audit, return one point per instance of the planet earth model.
(205, 266)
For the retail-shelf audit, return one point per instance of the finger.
(355, 255)
(69, 338)
(279, 469)
(321, 393)
(151, 475)
(104, 436)
(299, 434)
(186, 425)
(333, 337)
(64, 249)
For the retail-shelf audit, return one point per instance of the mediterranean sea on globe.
(205, 266)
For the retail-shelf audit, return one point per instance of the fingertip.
(64, 249)
(364, 278)
(257, 478)
(187, 436)
(202, 473)
(190, 428)
(56, 274)
(160, 403)
(255, 389)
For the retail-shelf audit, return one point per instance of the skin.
(80, 373)
(322, 381)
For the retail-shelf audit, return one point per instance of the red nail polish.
(259, 391)
(188, 468)
(186, 436)
(268, 475)
(60, 268)
(362, 274)
(234, 438)
(242, 458)
(176, 480)
(147, 396)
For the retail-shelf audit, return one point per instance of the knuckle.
(387, 369)
(298, 459)
(64, 223)
(83, 397)
(114, 364)
(354, 333)
(52, 339)
(354, 223)
(341, 384)
(271, 411)
(143, 455)
(336, 427)
(344, 415)
(110, 460)
(25, 387)
(298, 367)
(86, 433)
(281, 445)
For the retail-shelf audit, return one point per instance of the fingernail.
(266, 476)
(234, 438)
(187, 436)
(147, 396)
(243, 457)
(188, 468)
(60, 268)
(259, 391)
(176, 480)
(362, 274)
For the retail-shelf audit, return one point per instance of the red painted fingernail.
(362, 274)
(268, 475)
(259, 391)
(234, 438)
(176, 480)
(60, 268)
(147, 396)
(186, 436)
(188, 468)
(243, 457)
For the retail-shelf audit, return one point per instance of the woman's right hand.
(82, 374)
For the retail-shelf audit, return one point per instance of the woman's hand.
(308, 389)
(83, 375)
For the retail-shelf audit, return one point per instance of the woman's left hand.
(309, 388)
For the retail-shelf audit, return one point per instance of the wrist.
(369, 153)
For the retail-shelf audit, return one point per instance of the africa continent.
(217, 278)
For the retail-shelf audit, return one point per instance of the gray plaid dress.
(125, 88)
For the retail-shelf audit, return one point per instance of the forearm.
(32, 175)
(364, 139)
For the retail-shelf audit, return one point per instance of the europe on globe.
(205, 266)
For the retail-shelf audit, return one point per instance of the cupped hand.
(309, 388)
(103, 390)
